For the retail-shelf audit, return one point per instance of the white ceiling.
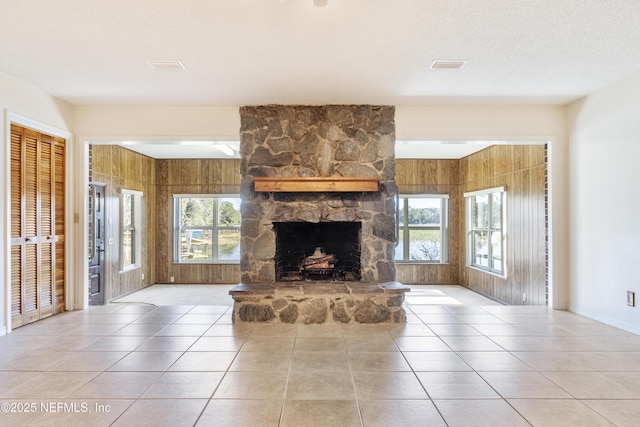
(252, 52)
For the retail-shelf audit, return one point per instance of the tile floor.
(461, 360)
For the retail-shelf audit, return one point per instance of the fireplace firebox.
(323, 251)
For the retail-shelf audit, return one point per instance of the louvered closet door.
(37, 234)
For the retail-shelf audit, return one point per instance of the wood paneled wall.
(419, 176)
(192, 176)
(120, 168)
(521, 169)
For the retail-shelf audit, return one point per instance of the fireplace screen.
(317, 251)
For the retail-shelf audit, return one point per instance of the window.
(485, 229)
(207, 228)
(423, 228)
(130, 229)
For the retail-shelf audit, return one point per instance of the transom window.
(485, 229)
(207, 228)
(423, 228)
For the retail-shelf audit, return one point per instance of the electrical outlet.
(171, 279)
(631, 298)
(524, 297)
(142, 276)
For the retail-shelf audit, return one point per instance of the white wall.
(605, 219)
(30, 106)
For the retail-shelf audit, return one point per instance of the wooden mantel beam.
(316, 184)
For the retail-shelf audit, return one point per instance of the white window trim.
(468, 227)
(176, 229)
(444, 229)
(137, 224)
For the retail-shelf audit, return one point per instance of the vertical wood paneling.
(200, 176)
(521, 169)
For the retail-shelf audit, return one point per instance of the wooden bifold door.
(37, 225)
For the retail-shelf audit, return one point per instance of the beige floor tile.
(556, 361)
(622, 413)
(439, 318)
(276, 344)
(320, 386)
(183, 330)
(307, 343)
(481, 413)
(10, 379)
(225, 413)
(493, 361)
(406, 330)
(421, 344)
(157, 318)
(471, 344)
(136, 309)
(117, 385)
(631, 380)
(240, 331)
(162, 412)
(361, 329)
(80, 412)
(498, 330)
(88, 361)
(113, 318)
(591, 385)
(197, 319)
(327, 413)
(456, 385)
(260, 361)
(327, 330)
(184, 385)
(54, 385)
(405, 413)
(277, 330)
(373, 343)
(427, 309)
(317, 361)
(521, 343)
(524, 385)
(30, 360)
(558, 413)
(436, 361)
(204, 361)
(72, 343)
(217, 344)
(210, 309)
(252, 385)
(159, 343)
(116, 343)
(480, 318)
(457, 329)
(378, 361)
(146, 361)
(387, 385)
(94, 330)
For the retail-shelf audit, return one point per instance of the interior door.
(96, 244)
(37, 225)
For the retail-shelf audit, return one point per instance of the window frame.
(490, 229)
(135, 227)
(214, 228)
(404, 228)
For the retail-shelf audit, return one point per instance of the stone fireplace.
(318, 225)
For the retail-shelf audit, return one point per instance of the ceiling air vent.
(166, 65)
(447, 64)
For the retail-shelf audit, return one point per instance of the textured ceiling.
(249, 52)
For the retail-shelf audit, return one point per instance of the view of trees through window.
(208, 229)
(485, 212)
(422, 229)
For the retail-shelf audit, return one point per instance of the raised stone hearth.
(319, 302)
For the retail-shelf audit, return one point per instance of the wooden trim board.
(316, 184)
